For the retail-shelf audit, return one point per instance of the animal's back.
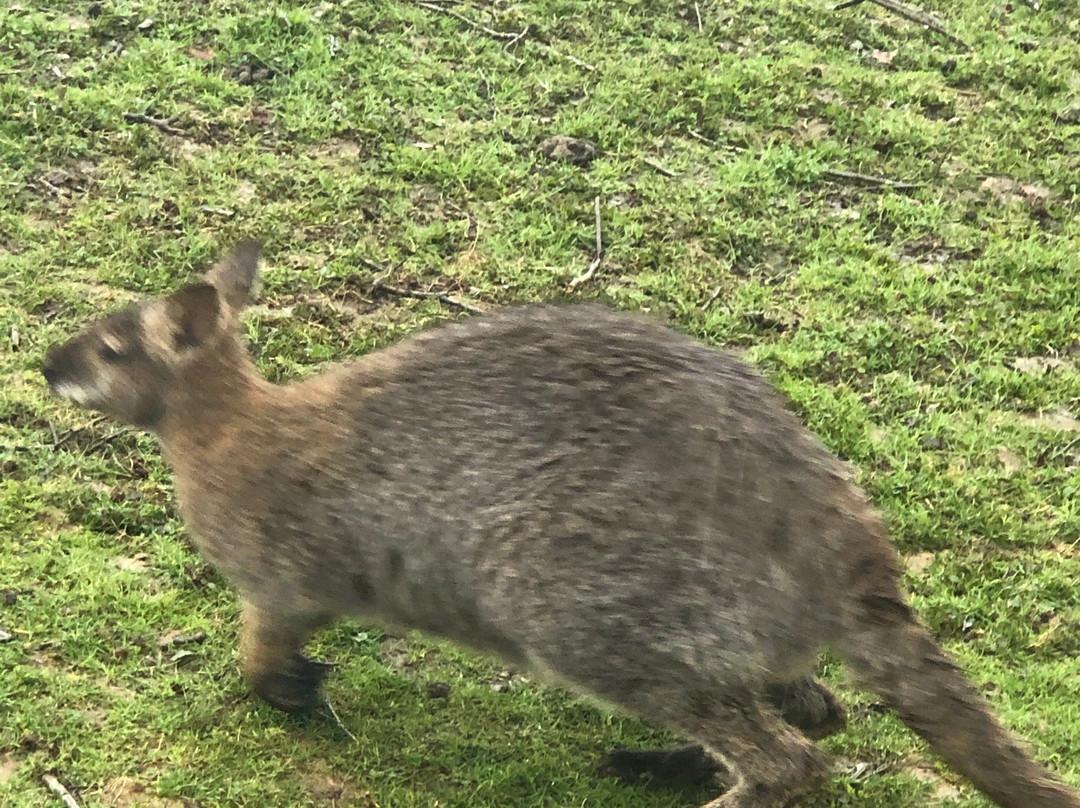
(578, 466)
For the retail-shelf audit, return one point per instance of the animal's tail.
(900, 661)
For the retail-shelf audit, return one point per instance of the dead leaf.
(811, 130)
(919, 563)
(74, 23)
(1010, 190)
(1038, 365)
(1067, 550)
(925, 773)
(1009, 460)
(8, 767)
(139, 562)
(883, 57)
(1060, 420)
(245, 192)
(177, 638)
(201, 53)
(261, 116)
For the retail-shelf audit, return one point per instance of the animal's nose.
(49, 369)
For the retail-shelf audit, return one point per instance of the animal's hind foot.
(808, 705)
(663, 768)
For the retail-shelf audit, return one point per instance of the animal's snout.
(56, 365)
(49, 370)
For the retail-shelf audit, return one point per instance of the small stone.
(574, 150)
(438, 690)
(948, 66)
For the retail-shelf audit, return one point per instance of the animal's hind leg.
(771, 761)
(804, 703)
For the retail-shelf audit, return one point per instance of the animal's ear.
(234, 276)
(192, 314)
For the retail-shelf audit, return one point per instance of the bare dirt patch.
(126, 792)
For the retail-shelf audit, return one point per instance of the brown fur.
(575, 488)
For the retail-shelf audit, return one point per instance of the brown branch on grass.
(659, 168)
(163, 124)
(509, 37)
(476, 26)
(854, 178)
(332, 713)
(909, 13)
(595, 264)
(378, 286)
(57, 788)
(713, 297)
(569, 58)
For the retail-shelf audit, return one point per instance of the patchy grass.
(930, 336)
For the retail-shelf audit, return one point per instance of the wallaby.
(581, 490)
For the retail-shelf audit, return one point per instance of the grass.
(929, 336)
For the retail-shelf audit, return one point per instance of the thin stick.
(667, 172)
(160, 123)
(333, 714)
(569, 58)
(712, 297)
(518, 38)
(909, 13)
(697, 11)
(57, 788)
(595, 265)
(442, 297)
(509, 37)
(474, 25)
(854, 178)
(708, 141)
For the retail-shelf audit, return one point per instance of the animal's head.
(127, 364)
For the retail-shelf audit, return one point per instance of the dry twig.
(697, 11)
(333, 715)
(57, 788)
(708, 141)
(569, 58)
(712, 298)
(509, 37)
(161, 123)
(442, 297)
(491, 32)
(910, 13)
(660, 169)
(595, 265)
(854, 178)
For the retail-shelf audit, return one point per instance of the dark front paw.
(666, 768)
(295, 686)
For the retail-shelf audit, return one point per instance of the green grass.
(371, 130)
